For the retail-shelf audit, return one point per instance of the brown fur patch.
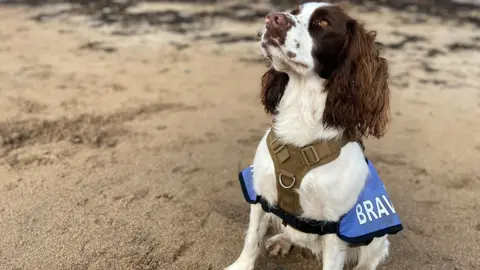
(273, 87)
(358, 92)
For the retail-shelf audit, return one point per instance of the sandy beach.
(123, 129)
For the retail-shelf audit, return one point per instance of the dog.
(326, 79)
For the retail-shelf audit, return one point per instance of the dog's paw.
(278, 246)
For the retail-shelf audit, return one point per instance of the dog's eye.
(321, 23)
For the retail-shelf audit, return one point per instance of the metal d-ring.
(283, 185)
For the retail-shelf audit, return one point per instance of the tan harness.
(293, 163)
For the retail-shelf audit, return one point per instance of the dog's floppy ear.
(273, 86)
(358, 93)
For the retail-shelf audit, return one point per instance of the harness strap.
(293, 163)
(306, 225)
(303, 225)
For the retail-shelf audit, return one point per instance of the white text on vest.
(367, 209)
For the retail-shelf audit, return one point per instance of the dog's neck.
(299, 118)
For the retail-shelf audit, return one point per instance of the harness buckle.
(280, 151)
(305, 158)
(276, 146)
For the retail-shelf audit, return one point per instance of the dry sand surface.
(120, 145)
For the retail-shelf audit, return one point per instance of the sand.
(120, 146)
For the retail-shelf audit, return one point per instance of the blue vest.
(372, 216)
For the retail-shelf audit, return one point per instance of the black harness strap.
(303, 225)
(306, 225)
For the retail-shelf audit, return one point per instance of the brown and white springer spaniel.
(326, 78)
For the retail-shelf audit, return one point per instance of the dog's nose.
(276, 19)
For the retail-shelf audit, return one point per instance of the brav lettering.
(373, 211)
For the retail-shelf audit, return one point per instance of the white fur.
(327, 192)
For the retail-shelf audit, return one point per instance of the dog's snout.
(277, 26)
(276, 19)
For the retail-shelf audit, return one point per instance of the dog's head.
(320, 39)
(311, 37)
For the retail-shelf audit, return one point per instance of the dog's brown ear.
(358, 93)
(273, 87)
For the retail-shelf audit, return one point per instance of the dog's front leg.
(334, 252)
(257, 228)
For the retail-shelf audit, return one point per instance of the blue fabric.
(372, 216)
(246, 182)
